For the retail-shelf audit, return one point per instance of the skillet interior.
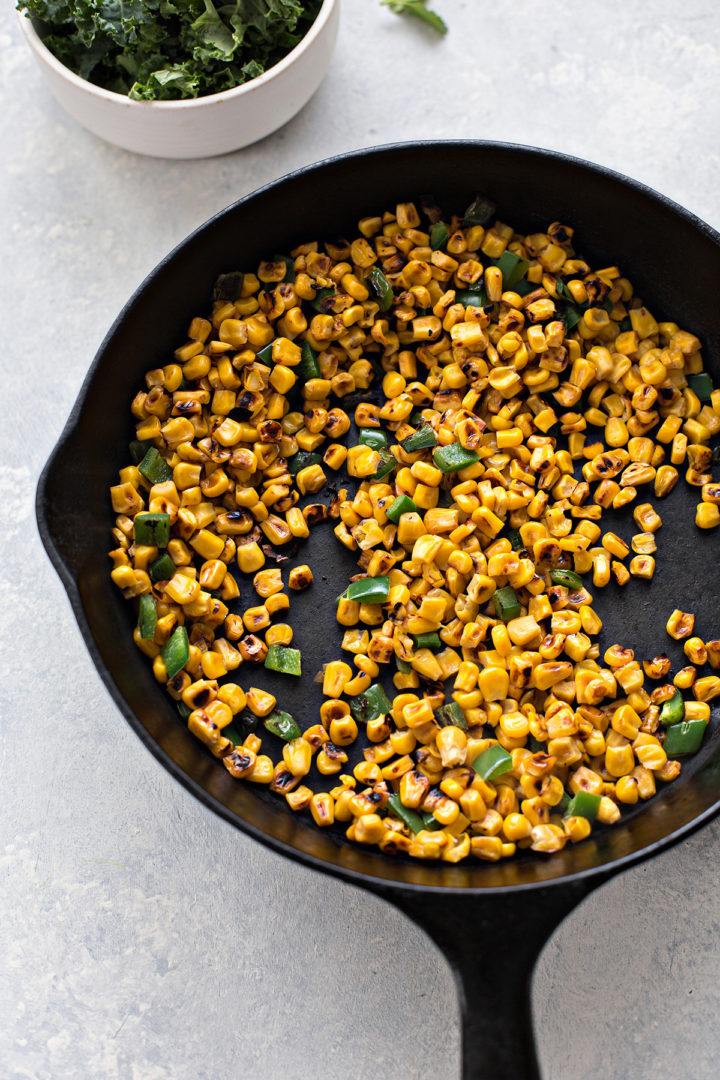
(674, 261)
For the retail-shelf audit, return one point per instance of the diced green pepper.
(480, 211)
(507, 605)
(368, 706)
(523, 287)
(284, 659)
(228, 287)
(154, 467)
(152, 529)
(373, 438)
(515, 540)
(183, 709)
(471, 297)
(138, 450)
(231, 732)
(381, 288)
(402, 505)
(324, 301)
(513, 268)
(162, 569)
(301, 460)
(439, 236)
(248, 723)
(684, 738)
(264, 355)
(453, 458)
(176, 652)
(571, 317)
(701, 384)
(283, 725)
(402, 665)
(388, 462)
(583, 804)
(493, 762)
(408, 817)
(308, 368)
(673, 710)
(451, 715)
(147, 616)
(369, 590)
(289, 267)
(568, 578)
(430, 641)
(419, 440)
(430, 823)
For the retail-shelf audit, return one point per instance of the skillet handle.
(492, 943)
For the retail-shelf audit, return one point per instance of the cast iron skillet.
(485, 917)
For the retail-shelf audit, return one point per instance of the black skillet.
(487, 918)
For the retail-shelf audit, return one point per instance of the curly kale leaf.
(155, 50)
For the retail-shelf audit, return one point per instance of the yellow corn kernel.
(680, 624)
(706, 688)
(619, 760)
(260, 702)
(268, 582)
(493, 683)
(707, 515)
(322, 808)
(297, 523)
(297, 755)
(337, 675)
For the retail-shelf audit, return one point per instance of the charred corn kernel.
(260, 702)
(322, 808)
(280, 634)
(665, 480)
(267, 582)
(577, 828)
(612, 543)
(451, 743)
(642, 566)
(276, 603)
(343, 731)
(697, 710)
(685, 677)
(297, 755)
(680, 624)
(256, 618)
(233, 696)
(649, 752)
(694, 649)
(297, 523)
(706, 688)
(337, 675)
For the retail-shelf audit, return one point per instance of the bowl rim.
(379, 883)
(48, 59)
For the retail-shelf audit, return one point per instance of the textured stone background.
(142, 939)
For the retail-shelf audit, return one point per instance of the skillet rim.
(378, 884)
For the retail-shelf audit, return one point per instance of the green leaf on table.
(420, 10)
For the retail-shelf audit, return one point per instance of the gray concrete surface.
(141, 939)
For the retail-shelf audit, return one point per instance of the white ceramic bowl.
(204, 126)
